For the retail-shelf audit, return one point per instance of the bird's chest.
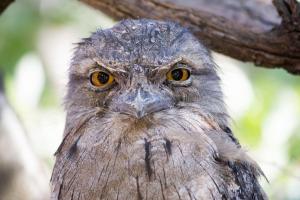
(148, 168)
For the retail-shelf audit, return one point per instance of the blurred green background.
(36, 44)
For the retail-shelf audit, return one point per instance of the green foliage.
(18, 29)
(294, 147)
(48, 97)
(268, 85)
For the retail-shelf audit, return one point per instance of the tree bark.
(254, 30)
(4, 4)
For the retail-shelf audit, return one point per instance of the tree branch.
(4, 4)
(248, 30)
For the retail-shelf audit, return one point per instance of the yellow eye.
(179, 74)
(101, 79)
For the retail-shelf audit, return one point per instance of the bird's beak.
(143, 102)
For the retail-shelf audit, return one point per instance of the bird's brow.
(196, 68)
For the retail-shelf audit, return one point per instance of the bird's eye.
(179, 74)
(101, 79)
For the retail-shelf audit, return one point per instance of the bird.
(146, 119)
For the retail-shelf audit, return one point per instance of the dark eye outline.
(96, 83)
(186, 73)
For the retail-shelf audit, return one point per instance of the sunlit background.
(36, 43)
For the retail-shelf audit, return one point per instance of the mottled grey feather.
(181, 147)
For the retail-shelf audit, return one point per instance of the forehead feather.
(147, 42)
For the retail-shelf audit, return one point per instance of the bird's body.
(146, 120)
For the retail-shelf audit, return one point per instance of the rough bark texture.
(248, 30)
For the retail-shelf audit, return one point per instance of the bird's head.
(145, 70)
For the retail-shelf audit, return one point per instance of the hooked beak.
(142, 102)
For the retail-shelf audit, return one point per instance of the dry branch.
(4, 4)
(248, 30)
